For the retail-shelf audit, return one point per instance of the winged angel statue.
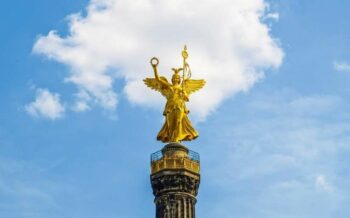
(177, 127)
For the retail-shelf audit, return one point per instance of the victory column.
(175, 170)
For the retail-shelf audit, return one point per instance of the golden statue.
(177, 126)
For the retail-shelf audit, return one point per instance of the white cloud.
(273, 16)
(26, 189)
(81, 104)
(288, 157)
(322, 183)
(289, 103)
(228, 44)
(341, 66)
(46, 104)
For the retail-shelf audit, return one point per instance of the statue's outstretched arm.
(155, 70)
(154, 62)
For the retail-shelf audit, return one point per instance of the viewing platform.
(175, 156)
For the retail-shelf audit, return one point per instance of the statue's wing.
(160, 86)
(193, 85)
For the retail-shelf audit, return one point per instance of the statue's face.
(176, 80)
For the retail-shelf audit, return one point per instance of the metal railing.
(156, 156)
(189, 162)
(192, 155)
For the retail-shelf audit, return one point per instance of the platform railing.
(192, 155)
(191, 162)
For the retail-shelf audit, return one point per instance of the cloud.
(116, 39)
(46, 104)
(322, 183)
(23, 190)
(273, 16)
(288, 104)
(341, 66)
(280, 155)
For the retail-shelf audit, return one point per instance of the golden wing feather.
(193, 85)
(158, 85)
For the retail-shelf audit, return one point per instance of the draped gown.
(177, 127)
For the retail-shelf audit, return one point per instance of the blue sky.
(274, 144)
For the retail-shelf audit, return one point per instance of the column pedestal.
(175, 181)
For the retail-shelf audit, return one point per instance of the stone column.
(175, 181)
